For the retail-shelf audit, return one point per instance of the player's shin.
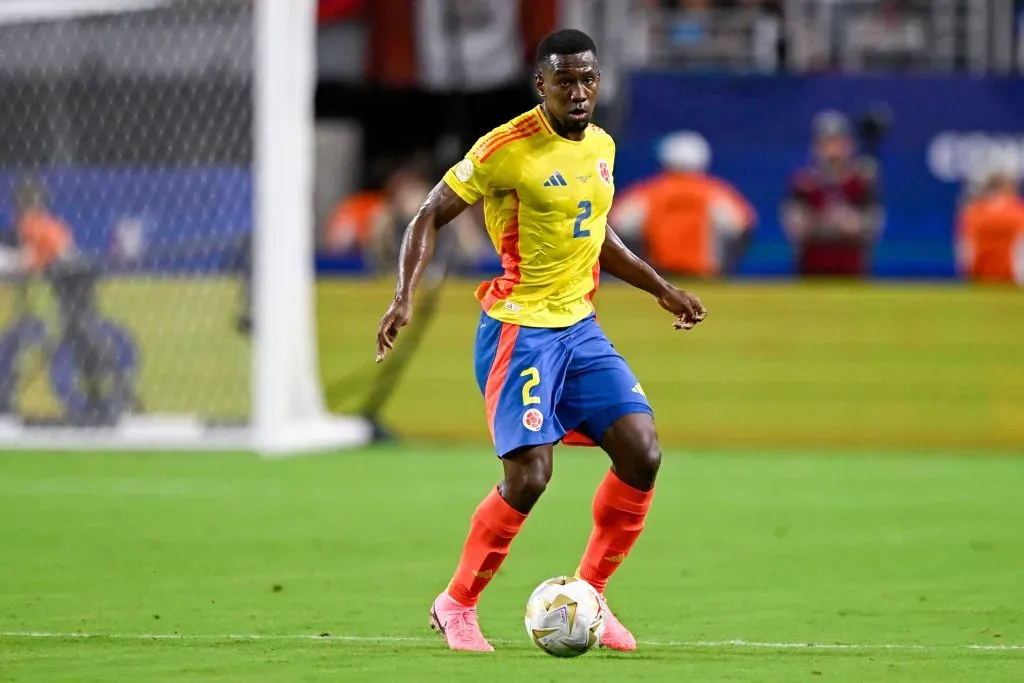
(493, 526)
(619, 514)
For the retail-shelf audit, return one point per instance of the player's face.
(569, 84)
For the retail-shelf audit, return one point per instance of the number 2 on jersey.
(584, 214)
(534, 380)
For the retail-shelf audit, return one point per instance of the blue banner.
(759, 130)
(149, 220)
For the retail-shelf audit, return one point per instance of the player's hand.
(687, 308)
(398, 316)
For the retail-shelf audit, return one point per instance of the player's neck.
(575, 135)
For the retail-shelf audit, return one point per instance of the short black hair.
(566, 41)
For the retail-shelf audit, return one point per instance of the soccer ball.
(564, 617)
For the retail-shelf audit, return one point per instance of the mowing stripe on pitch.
(693, 644)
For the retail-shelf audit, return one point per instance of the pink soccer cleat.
(615, 636)
(458, 624)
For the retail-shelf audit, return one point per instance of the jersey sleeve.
(484, 171)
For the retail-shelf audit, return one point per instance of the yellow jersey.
(546, 203)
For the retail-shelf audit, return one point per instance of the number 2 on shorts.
(584, 214)
(534, 380)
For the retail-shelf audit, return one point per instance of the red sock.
(619, 512)
(495, 523)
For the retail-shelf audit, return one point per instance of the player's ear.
(538, 82)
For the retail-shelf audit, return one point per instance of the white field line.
(691, 644)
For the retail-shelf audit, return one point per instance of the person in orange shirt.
(43, 237)
(47, 247)
(372, 222)
(990, 230)
(686, 221)
(350, 225)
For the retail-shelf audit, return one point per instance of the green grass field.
(192, 360)
(780, 365)
(908, 567)
(910, 366)
(836, 502)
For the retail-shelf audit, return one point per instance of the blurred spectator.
(336, 10)
(886, 35)
(462, 242)
(990, 229)
(759, 23)
(48, 247)
(43, 237)
(351, 224)
(685, 221)
(833, 214)
(723, 34)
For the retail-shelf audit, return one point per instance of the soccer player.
(546, 370)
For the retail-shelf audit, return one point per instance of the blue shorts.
(550, 385)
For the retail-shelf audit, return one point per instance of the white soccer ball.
(564, 617)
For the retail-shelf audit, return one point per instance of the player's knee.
(637, 454)
(646, 460)
(533, 480)
(526, 478)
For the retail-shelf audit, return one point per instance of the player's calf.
(620, 509)
(495, 523)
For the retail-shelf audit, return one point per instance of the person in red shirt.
(833, 213)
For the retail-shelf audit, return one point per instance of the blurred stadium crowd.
(408, 85)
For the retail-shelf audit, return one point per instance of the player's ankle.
(451, 602)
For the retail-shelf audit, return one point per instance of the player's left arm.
(617, 260)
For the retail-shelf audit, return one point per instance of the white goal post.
(173, 303)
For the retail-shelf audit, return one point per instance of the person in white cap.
(686, 221)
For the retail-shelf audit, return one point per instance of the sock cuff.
(619, 495)
(498, 516)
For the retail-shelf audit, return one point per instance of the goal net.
(156, 227)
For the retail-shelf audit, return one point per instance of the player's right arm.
(487, 168)
(440, 207)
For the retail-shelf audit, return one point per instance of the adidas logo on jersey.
(556, 180)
